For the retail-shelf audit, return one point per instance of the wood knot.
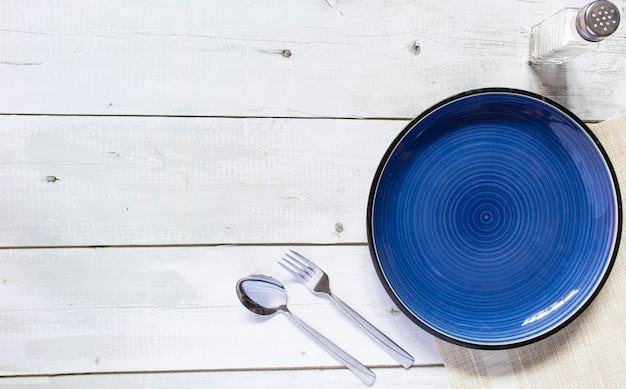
(414, 48)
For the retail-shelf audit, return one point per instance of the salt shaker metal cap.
(597, 20)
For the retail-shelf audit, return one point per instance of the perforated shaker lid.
(597, 20)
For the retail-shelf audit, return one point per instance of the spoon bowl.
(261, 294)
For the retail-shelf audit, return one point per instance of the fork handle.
(405, 359)
(366, 375)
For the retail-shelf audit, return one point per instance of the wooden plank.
(175, 309)
(424, 377)
(93, 181)
(284, 58)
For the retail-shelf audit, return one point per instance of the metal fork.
(317, 281)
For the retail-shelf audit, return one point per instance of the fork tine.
(302, 265)
(305, 261)
(291, 271)
(297, 266)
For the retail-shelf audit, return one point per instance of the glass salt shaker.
(572, 32)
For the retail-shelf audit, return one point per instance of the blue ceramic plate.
(494, 218)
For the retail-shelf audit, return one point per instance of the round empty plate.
(494, 218)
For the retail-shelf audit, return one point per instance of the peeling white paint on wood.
(175, 309)
(91, 181)
(346, 58)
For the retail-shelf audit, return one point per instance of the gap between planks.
(307, 368)
(207, 116)
(400, 119)
(174, 245)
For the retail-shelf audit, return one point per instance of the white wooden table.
(154, 152)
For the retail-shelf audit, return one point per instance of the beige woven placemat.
(589, 353)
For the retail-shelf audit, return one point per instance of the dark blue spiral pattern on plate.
(494, 218)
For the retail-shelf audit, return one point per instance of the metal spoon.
(265, 295)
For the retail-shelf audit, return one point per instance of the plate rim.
(374, 187)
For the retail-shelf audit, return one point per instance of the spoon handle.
(365, 374)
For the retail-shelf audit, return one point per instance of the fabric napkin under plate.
(590, 352)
